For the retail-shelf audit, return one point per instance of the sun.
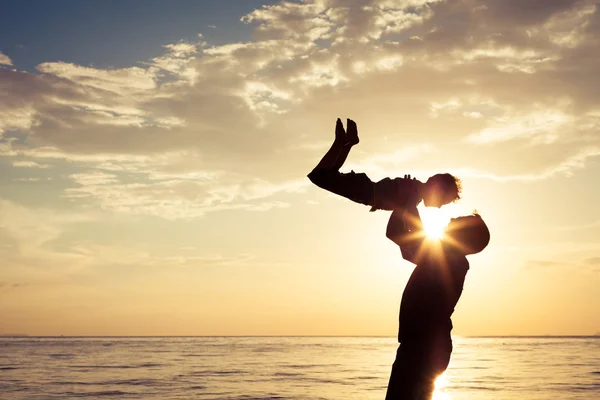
(434, 222)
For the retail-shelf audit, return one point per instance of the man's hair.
(450, 185)
(469, 234)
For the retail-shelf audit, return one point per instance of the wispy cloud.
(5, 60)
(30, 164)
(237, 109)
(538, 127)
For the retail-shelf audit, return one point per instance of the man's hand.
(414, 196)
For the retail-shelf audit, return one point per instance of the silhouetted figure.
(429, 297)
(387, 194)
(436, 283)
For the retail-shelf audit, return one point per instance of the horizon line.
(20, 335)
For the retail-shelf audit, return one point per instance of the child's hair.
(450, 185)
(469, 234)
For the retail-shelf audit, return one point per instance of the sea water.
(166, 368)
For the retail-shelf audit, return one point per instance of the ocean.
(166, 368)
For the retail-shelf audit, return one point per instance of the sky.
(153, 161)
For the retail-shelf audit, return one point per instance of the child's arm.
(406, 230)
(326, 175)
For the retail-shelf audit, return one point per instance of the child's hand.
(352, 135)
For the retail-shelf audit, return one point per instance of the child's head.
(468, 234)
(441, 189)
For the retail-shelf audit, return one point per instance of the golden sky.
(169, 196)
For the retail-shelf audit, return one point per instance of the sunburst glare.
(434, 221)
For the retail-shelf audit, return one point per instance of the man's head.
(441, 189)
(468, 234)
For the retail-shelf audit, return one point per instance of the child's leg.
(337, 150)
(326, 175)
(351, 140)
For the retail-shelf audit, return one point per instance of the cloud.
(31, 179)
(30, 228)
(98, 255)
(544, 263)
(178, 198)
(542, 126)
(567, 167)
(471, 79)
(5, 60)
(173, 195)
(38, 248)
(93, 178)
(130, 81)
(303, 22)
(30, 164)
(392, 163)
(41, 254)
(176, 62)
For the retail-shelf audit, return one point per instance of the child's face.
(432, 200)
(435, 194)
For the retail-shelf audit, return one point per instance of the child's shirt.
(390, 194)
(387, 194)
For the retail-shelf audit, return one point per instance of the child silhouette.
(387, 194)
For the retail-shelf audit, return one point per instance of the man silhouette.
(430, 296)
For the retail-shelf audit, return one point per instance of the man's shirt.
(431, 295)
